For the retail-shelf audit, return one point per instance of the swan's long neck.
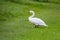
(32, 15)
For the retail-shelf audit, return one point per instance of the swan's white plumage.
(36, 21)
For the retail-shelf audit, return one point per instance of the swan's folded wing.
(37, 21)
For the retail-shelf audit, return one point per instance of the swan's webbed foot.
(36, 26)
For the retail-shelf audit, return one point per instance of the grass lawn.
(19, 28)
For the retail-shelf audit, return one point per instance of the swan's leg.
(36, 26)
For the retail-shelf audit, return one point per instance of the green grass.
(17, 27)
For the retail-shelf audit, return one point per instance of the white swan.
(36, 21)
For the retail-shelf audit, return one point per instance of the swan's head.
(31, 11)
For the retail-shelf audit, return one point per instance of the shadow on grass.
(41, 27)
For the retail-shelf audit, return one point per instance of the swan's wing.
(37, 21)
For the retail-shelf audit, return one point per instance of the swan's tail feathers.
(45, 25)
